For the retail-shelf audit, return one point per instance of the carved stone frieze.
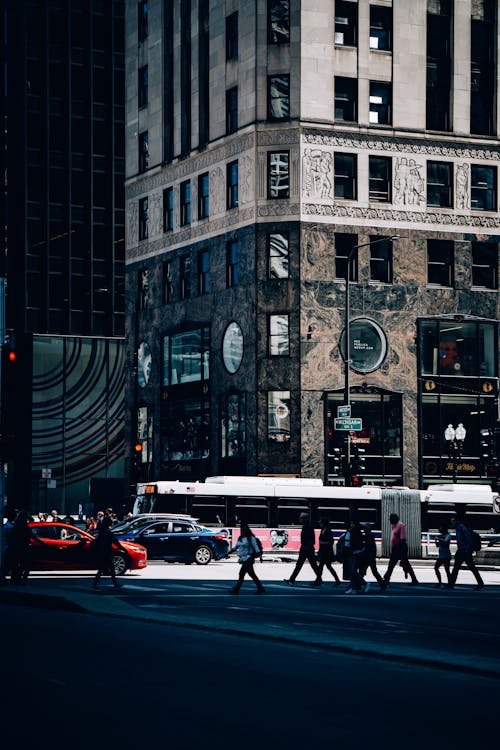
(279, 209)
(393, 215)
(132, 223)
(462, 186)
(411, 146)
(285, 137)
(246, 176)
(155, 213)
(217, 191)
(317, 174)
(409, 182)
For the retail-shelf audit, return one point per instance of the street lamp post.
(347, 341)
(455, 442)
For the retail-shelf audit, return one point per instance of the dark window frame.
(232, 179)
(276, 254)
(382, 110)
(232, 263)
(280, 190)
(203, 272)
(203, 195)
(143, 151)
(278, 22)
(344, 242)
(440, 263)
(380, 185)
(345, 178)
(276, 336)
(346, 99)
(142, 20)
(381, 260)
(232, 36)
(168, 209)
(143, 219)
(231, 110)
(346, 23)
(437, 188)
(484, 269)
(280, 98)
(381, 28)
(143, 87)
(483, 195)
(185, 203)
(167, 287)
(185, 277)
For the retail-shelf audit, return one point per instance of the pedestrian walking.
(104, 546)
(326, 554)
(19, 548)
(399, 551)
(353, 550)
(53, 516)
(247, 550)
(306, 552)
(444, 554)
(368, 558)
(464, 553)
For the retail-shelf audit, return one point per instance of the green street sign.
(348, 423)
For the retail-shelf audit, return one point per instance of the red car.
(64, 547)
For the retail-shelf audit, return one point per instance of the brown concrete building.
(270, 146)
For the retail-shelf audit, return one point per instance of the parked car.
(179, 540)
(141, 519)
(64, 547)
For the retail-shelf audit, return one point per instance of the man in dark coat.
(306, 552)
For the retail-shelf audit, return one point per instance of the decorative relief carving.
(462, 186)
(317, 174)
(132, 222)
(155, 213)
(217, 191)
(171, 173)
(261, 174)
(408, 146)
(277, 137)
(246, 179)
(279, 209)
(409, 185)
(410, 217)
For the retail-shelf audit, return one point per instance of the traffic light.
(11, 352)
(335, 462)
(357, 466)
(487, 445)
(137, 454)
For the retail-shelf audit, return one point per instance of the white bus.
(276, 502)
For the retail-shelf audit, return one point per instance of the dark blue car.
(178, 540)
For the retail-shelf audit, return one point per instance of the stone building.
(273, 147)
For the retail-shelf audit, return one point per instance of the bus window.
(289, 510)
(252, 510)
(171, 503)
(211, 511)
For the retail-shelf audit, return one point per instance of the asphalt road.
(455, 629)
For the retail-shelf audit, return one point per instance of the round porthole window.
(144, 360)
(368, 345)
(232, 347)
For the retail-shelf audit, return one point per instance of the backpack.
(475, 541)
(261, 550)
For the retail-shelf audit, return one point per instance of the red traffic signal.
(12, 356)
(138, 448)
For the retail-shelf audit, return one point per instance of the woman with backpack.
(464, 553)
(247, 549)
(326, 555)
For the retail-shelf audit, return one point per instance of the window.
(232, 110)
(143, 87)
(233, 425)
(142, 20)
(232, 184)
(483, 188)
(439, 184)
(278, 184)
(278, 416)
(232, 264)
(203, 272)
(380, 179)
(167, 282)
(278, 21)
(346, 99)
(168, 209)
(482, 77)
(485, 265)
(380, 103)
(232, 36)
(345, 176)
(144, 288)
(203, 196)
(343, 245)
(381, 260)
(278, 97)
(380, 27)
(279, 341)
(449, 347)
(185, 277)
(186, 357)
(346, 23)
(143, 151)
(143, 219)
(438, 83)
(440, 262)
(277, 249)
(185, 203)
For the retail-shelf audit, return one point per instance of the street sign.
(46, 473)
(348, 423)
(343, 411)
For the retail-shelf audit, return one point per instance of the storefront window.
(450, 347)
(381, 419)
(185, 429)
(185, 357)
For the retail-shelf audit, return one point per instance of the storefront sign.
(368, 345)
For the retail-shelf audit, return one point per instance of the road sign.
(343, 411)
(46, 473)
(348, 423)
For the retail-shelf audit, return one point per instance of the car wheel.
(203, 555)
(120, 564)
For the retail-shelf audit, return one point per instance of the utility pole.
(2, 436)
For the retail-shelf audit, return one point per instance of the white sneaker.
(349, 591)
